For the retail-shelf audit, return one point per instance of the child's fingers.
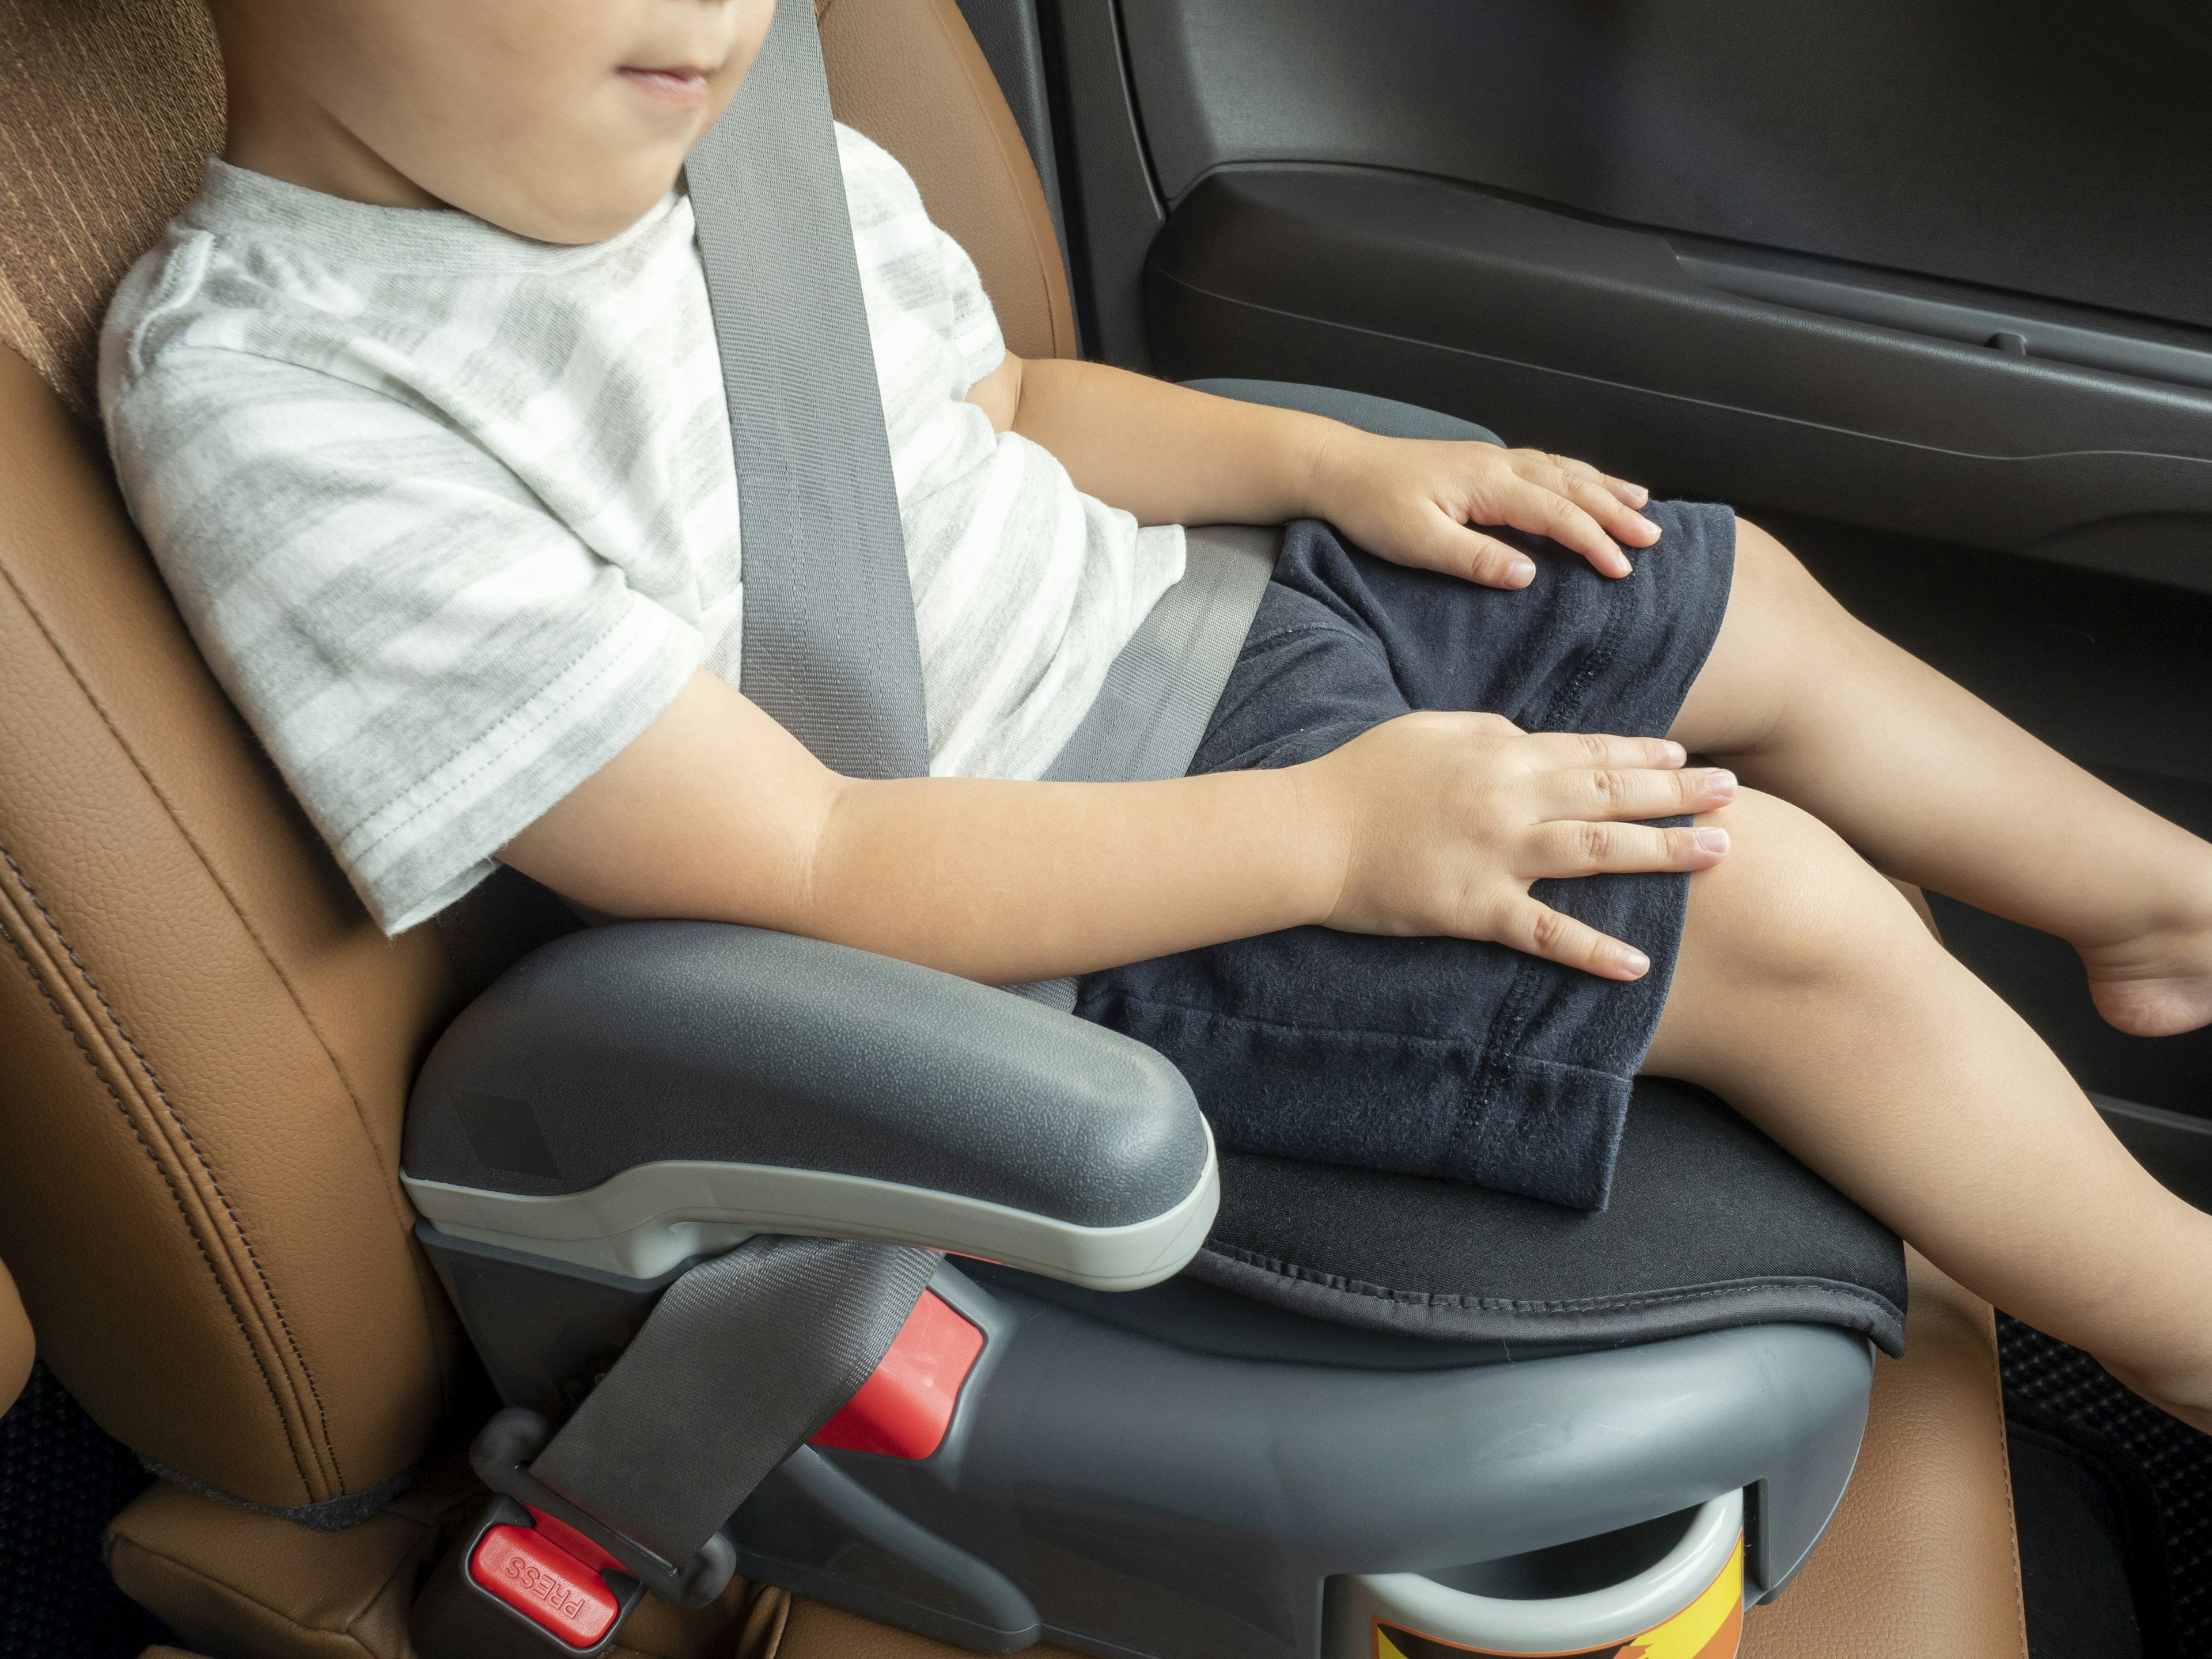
(1562, 752)
(1631, 791)
(1578, 847)
(1486, 561)
(1543, 512)
(1586, 488)
(1541, 931)
(1630, 495)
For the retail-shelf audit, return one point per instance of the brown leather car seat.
(18, 1348)
(209, 1045)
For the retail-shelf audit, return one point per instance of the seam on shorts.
(1469, 1043)
(1501, 1046)
(1566, 701)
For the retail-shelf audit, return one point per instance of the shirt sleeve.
(975, 333)
(432, 658)
(908, 261)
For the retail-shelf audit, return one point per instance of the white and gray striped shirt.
(454, 514)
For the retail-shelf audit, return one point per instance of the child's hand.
(1412, 500)
(1442, 821)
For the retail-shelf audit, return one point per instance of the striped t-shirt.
(453, 514)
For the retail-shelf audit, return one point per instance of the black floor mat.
(2082, 1545)
(2135, 1480)
(61, 1479)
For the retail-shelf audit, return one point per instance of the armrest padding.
(667, 1040)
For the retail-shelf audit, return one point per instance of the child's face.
(563, 120)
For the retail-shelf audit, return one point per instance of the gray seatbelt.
(830, 648)
(712, 1394)
(1160, 691)
(708, 1398)
(1163, 688)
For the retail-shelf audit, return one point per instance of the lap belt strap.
(1151, 712)
(1162, 689)
(712, 1395)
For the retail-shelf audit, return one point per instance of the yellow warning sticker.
(1708, 1628)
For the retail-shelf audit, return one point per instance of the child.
(418, 405)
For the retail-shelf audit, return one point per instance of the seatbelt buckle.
(501, 1456)
(521, 1585)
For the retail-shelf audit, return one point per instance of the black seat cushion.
(1712, 1224)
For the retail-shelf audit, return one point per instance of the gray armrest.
(631, 1096)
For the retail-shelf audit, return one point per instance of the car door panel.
(1626, 344)
(2041, 146)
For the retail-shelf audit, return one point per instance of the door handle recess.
(2129, 348)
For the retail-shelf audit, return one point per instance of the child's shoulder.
(876, 185)
(206, 289)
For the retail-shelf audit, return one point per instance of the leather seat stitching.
(176, 1117)
(222, 1290)
(2012, 1515)
(402, 1212)
(246, 1596)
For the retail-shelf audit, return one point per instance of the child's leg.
(1809, 996)
(1938, 788)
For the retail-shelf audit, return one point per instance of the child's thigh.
(1778, 635)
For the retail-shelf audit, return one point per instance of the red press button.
(544, 1583)
(905, 1408)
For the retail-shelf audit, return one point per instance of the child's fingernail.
(1636, 962)
(1641, 493)
(1713, 840)
(1720, 781)
(1521, 570)
(1646, 524)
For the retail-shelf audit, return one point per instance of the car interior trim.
(1605, 342)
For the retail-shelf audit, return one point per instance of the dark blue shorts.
(1439, 1057)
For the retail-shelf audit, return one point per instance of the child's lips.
(685, 87)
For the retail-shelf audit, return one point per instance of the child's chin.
(570, 216)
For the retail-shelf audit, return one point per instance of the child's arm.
(1430, 823)
(1173, 456)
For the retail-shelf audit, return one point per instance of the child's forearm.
(717, 814)
(1173, 456)
(1167, 453)
(1430, 823)
(1005, 882)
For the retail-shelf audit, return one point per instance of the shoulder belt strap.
(829, 648)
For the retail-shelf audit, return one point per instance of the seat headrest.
(107, 109)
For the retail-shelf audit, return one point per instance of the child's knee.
(1793, 906)
(1770, 572)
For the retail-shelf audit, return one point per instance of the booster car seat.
(213, 1048)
